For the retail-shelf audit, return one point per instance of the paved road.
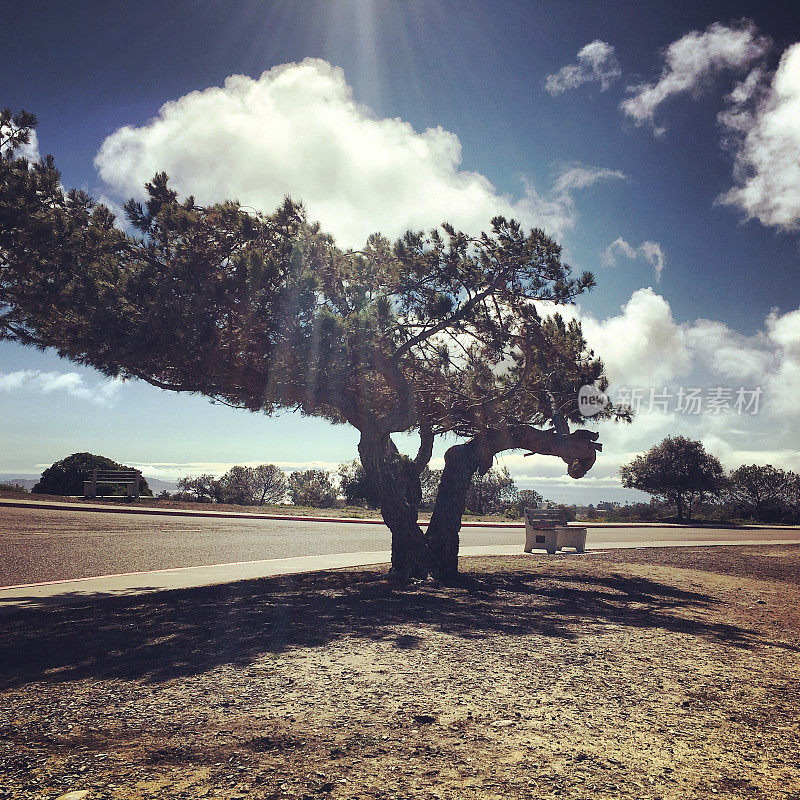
(45, 545)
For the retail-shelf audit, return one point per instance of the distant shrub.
(13, 487)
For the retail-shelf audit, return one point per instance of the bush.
(66, 477)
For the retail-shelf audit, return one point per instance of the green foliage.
(491, 493)
(66, 477)
(429, 480)
(678, 470)
(526, 498)
(312, 488)
(15, 130)
(762, 493)
(200, 488)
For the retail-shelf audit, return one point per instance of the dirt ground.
(669, 673)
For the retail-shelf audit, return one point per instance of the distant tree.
(236, 487)
(200, 488)
(354, 485)
(270, 484)
(66, 477)
(763, 493)
(429, 484)
(527, 498)
(312, 488)
(678, 470)
(491, 492)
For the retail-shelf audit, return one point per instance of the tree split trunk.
(396, 480)
(462, 461)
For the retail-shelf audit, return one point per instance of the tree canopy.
(761, 492)
(677, 469)
(438, 333)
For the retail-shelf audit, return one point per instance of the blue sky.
(413, 112)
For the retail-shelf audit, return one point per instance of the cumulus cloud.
(646, 351)
(642, 345)
(762, 123)
(691, 62)
(71, 383)
(596, 63)
(298, 130)
(650, 251)
(727, 352)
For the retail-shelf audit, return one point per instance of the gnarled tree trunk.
(396, 480)
(462, 461)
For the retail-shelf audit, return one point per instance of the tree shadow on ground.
(166, 635)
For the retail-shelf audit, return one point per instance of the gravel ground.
(643, 674)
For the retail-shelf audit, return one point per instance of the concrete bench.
(547, 529)
(130, 477)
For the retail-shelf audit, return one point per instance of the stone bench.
(547, 529)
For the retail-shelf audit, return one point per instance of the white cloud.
(297, 130)
(29, 150)
(643, 345)
(691, 62)
(596, 62)
(646, 350)
(71, 383)
(727, 352)
(762, 124)
(581, 177)
(650, 251)
(172, 471)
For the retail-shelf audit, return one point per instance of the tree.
(429, 487)
(678, 470)
(527, 498)
(270, 483)
(435, 334)
(66, 477)
(202, 487)
(250, 486)
(760, 492)
(491, 492)
(312, 488)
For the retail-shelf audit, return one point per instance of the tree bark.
(462, 461)
(679, 504)
(396, 482)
